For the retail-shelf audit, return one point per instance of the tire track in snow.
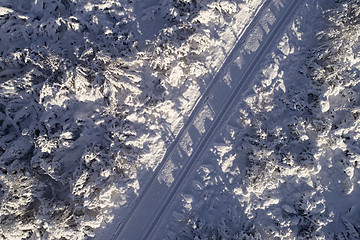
(200, 127)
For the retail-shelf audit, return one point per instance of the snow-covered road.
(215, 106)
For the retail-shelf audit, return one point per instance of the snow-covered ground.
(235, 76)
(286, 164)
(92, 93)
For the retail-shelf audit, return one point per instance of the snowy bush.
(335, 72)
(309, 159)
(63, 153)
(316, 145)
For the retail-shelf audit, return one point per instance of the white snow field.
(179, 119)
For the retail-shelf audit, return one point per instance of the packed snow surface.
(93, 92)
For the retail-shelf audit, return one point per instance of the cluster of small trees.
(311, 154)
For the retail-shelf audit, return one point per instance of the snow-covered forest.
(288, 163)
(93, 92)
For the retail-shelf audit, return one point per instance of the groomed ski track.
(232, 78)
